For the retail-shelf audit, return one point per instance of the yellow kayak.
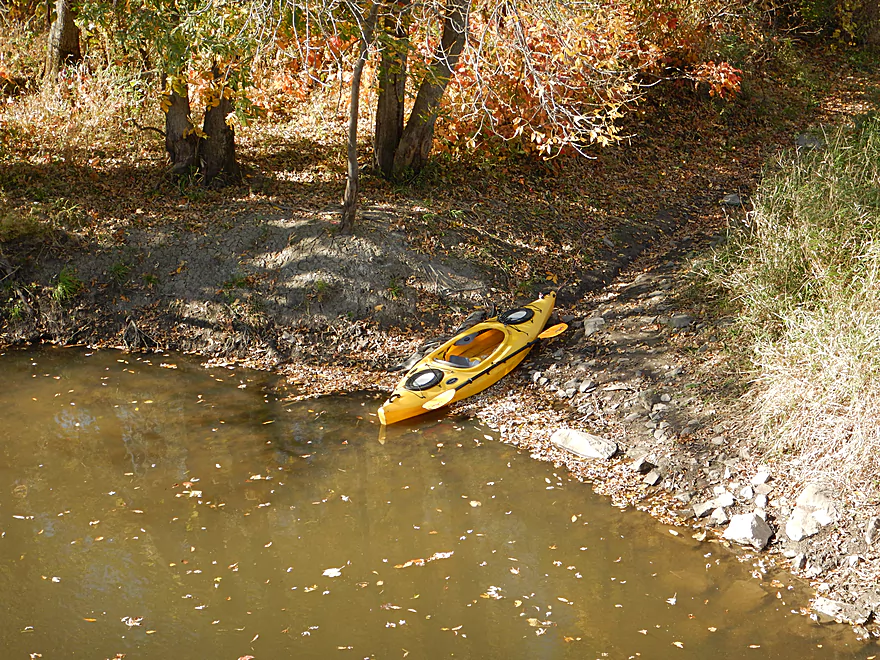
(470, 362)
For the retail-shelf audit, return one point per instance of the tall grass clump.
(805, 273)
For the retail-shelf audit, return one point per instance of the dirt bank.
(107, 252)
(646, 363)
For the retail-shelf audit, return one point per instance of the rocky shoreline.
(638, 397)
(627, 390)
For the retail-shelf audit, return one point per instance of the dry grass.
(806, 276)
(84, 116)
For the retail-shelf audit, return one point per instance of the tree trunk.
(392, 85)
(349, 198)
(63, 44)
(181, 141)
(217, 150)
(418, 136)
(871, 20)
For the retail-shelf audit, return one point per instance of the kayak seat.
(457, 362)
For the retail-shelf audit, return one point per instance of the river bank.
(110, 253)
(647, 364)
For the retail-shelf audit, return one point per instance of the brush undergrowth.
(805, 274)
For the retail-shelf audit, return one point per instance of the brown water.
(163, 512)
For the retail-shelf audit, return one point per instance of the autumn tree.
(63, 45)
(202, 55)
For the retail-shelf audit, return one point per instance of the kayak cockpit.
(472, 349)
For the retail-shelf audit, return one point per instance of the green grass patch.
(67, 286)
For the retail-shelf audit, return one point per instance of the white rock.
(703, 508)
(827, 607)
(748, 529)
(653, 477)
(585, 445)
(760, 478)
(813, 510)
(761, 501)
(724, 499)
(747, 493)
(720, 516)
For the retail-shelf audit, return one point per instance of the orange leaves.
(722, 78)
(554, 76)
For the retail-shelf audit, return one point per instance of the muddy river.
(152, 508)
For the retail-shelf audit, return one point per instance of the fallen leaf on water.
(333, 572)
(644, 632)
(754, 646)
(246, 657)
(672, 600)
(90, 620)
(678, 644)
(712, 628)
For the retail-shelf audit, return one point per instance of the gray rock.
(719, 516)
(731, 199)
(585, 445)
(748, 529)
(592, 325)
(586, 385)
(747, 493)
(813, 510)
(680, 321)
(806, 141)
(703, 509)
(763, 489)
(872, 533)
(799, 561)
(653, 477)
(642, 465)
(647, 399)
